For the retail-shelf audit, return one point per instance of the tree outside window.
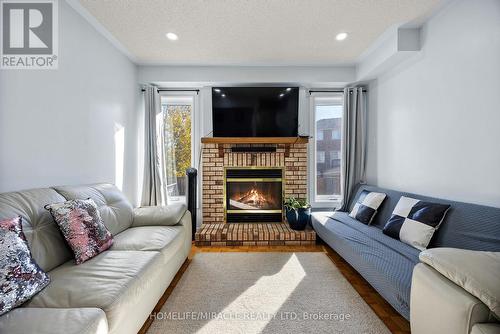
(177, 127)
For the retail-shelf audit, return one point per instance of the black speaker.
(191, 174)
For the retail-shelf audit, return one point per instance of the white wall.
(434, 122)
(73, 125)
(309, 76)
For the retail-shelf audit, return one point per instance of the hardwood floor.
(395, 322)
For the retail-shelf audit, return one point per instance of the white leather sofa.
(456, 291)
(113, 292)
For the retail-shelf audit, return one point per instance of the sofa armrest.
(158, 215)
(186, 222)
(476, 272)
(485, 329)
(438, 305)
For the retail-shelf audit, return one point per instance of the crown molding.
(77, 6)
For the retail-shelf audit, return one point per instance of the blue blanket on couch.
(386, 263)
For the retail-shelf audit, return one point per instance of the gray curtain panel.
(354, 143)
(152, 189)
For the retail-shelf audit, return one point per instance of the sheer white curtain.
(154, 185)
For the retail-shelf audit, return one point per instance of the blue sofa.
(386, 263)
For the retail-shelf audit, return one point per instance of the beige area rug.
(265, 293)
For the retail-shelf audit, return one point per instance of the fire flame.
(254, 197)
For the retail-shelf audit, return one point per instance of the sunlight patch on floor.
(260, 301)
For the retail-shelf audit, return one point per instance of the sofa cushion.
(378, 236)
(165, 239)
(82, 227)
(54, 321)
(115, 209)
(476, 272)
(385, 262)
(146, 238)
(46, 243)
(159, 215)
(114, 281)
(20, 277)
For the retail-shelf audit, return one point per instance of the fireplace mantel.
(255, 140)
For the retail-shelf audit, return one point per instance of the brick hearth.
(241, 234)
(292, 157)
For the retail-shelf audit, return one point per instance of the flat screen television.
(255, 111)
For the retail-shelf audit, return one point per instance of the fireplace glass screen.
(253, 195)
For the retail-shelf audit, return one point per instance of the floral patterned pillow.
(20, 277)
(82, 227)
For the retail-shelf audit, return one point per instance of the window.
(335, 155)
(319, 135)
(320, 158)
(334, 159)
(177, 123)
(326, 112)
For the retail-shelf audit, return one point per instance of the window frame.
(322, 201)
(318, 155)
(194, 119)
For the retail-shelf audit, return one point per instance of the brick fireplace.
(243, 185)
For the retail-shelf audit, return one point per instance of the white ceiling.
(252, 32)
